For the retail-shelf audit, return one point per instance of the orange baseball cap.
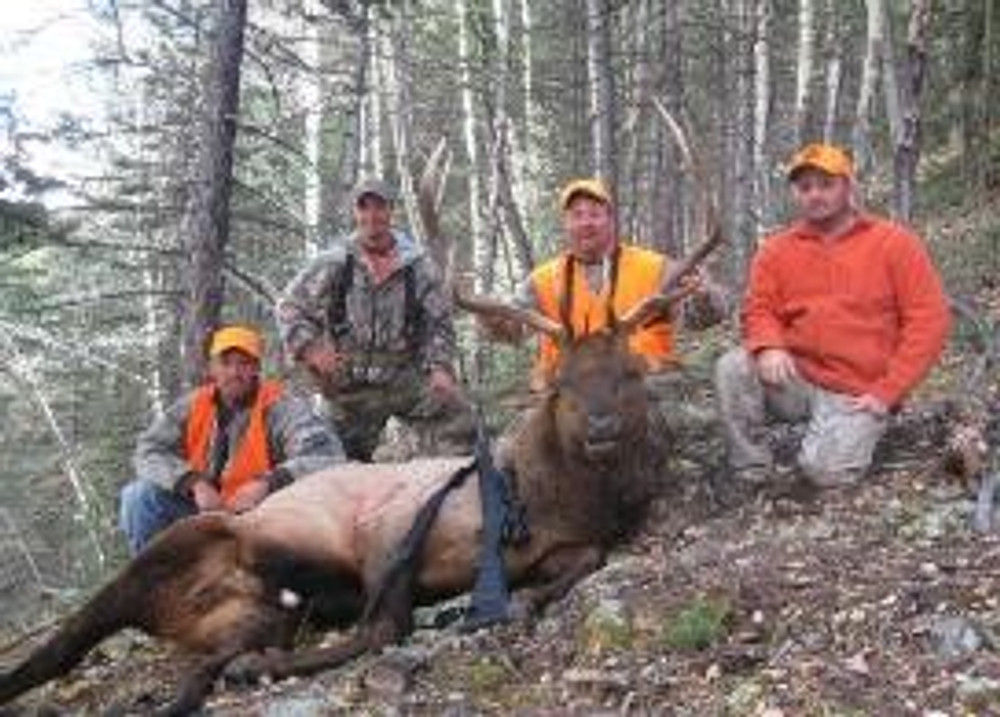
(241, 338)
(824, 157)
(592, 187)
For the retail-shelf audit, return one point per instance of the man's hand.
(249, 495)
(869, 403)
(322, 358)
(441, 385)
(205, 495)
(775, 366)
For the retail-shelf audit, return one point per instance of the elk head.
(598, 400)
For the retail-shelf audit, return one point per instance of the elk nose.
(603, 427)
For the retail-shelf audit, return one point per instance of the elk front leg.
(559, 571)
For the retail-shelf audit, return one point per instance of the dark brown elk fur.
(219, 585)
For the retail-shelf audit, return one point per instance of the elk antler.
(428, 199)
(672, 289)
(428, 196)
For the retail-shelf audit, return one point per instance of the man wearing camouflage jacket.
(371, 323)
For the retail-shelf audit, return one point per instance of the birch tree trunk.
(861, 140)
(601, 89)
(206, 224)
(347, 169)
(637, 96)
(834, 71)
(762, 103)
(526, 162)
(394, 70)
(370, 139)
(469, 133)
(669, 221)
(312, 97)
(506, 152)
(804, 67)
(743, 200)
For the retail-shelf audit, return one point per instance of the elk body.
(222, 585)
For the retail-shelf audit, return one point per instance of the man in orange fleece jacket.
(844, 314)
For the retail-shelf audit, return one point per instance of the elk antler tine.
(429, 192)
(489, 307)
(671, 290)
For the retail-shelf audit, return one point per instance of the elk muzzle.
(604, 433)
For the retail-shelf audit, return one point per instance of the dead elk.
(222, 585)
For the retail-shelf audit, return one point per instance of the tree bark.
(469, 134)
(311, 91)
(914, 72)
(601, 90)
(762, 103)
(834, 71)
(206, 225)
(345, 173)
(861, 139)
(804, 68)
(669, 221)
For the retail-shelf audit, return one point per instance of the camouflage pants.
(359, 414)
(839, 441)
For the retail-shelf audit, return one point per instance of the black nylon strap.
(337, 319)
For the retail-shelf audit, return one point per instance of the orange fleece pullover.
(865, 313)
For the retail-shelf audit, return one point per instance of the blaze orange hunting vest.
(640, 272)
(252, 457)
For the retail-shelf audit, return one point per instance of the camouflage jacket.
(374, 332)
(299, 441)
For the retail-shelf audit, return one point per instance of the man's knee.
(734, 371)
(827, 469)
(145, 509)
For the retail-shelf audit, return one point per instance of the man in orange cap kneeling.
(225, 445)
(844, 314)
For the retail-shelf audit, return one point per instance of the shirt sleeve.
(301, 310)
(301, 441)
(159, 453)
(924, 317)
(762, 328)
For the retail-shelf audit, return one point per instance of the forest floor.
(876, 600)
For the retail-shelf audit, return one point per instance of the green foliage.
(700, 624)
(603, 631)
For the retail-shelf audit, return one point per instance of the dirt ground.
(879, 600)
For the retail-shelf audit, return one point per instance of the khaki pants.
(839, 442)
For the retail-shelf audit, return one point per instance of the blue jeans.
(146, 509)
